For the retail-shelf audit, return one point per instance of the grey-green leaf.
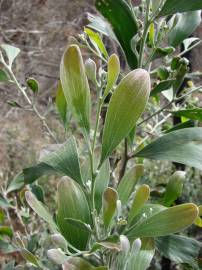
(75, 85)
(63, 161)
(61, 104)
(125, 107)
(178, 248)
(40, 209)
(182, 146)
(186, 25)
(101, 183)
(128, 182)
(72, 203)
(165, 222)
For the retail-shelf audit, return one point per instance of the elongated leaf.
(162, 86)
(186, 25)
(182, 146)
(116, 12)
(109, 202)
(126, 106)
(64, 161)
(11, 52)
(33, 85)
(96, 40)
(72, 203)
(5, 230)
(113, 70)
(31, 258)
(79, 224)
(190, 41)
(143, 257)
(165, 222)
(141, 197)
(174, 187)
(101, 183)
(75, 85)
(40, 209)
(178, 248)
(174, 6)
(128, 182)
(61, 104)
(194, 114)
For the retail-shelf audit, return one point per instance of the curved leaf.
(128, 182)
(117, 12)
(186, 25)
(171, 220)
(63, 161)
(61, 104)
(109, 201)
(125, 107)
(174, 6)
(182, 146)
(72, 203)
(75, 85)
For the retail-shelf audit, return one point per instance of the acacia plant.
(106, 217)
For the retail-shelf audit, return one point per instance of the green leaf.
(4, 203)
(143, 257)
(182, 146)
(16, 184)
(140, 198)
(198, 221)
(91, 70)
(185, 26)
(186, 124)
(3, 76)
(128, 182)
(178, 248)
(162, 52)
(116, 12)
(101, 25)
(31, 258)
(38, 191)
(75, 85)
(174, 188)
(63, 161)
(173, 6)
(113, 70)
(40, 209)
(162, 86)
(5, 230)
(125, 107)
(96, 41)
(101, 183)
(109, 201)
(33, 85)
(79, 224)
(11, 52)
(9, 266)
(171, 220)
(194, 114)
(61, 104)
(72, 203)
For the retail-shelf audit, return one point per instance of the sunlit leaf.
(171, 220)
(128, 182)
(75, 85)
(125, 107)
(109, 201)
